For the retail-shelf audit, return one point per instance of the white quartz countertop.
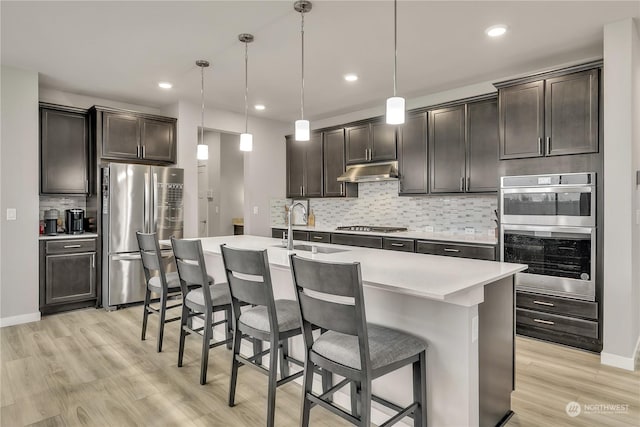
(63, 236)
(420, 235)
(450, 279)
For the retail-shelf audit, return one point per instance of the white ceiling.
(121, 50)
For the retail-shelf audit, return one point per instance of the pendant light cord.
(302, 73)
(246, 87)
(395, 44)
(202, 111)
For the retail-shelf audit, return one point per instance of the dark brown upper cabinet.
(304, 166)
(125, 135)
(64, 150)
(463, 147)
(333, 155)
(374, 141)
(549, 117)
(412, 155)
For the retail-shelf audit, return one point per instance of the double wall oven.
(549, 223)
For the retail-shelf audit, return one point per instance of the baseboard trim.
(628, 363)
(18, 320)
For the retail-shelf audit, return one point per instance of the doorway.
(220, 185)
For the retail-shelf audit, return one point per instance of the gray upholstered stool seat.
(286, 311)
(386, 346)
(173, 282)
(219, 296)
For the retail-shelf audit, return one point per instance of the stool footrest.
(406, 412)
(333, 408)
(289, 378)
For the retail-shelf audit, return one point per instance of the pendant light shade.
(246, 139)
(395, 104)
(246, 142)
(302, 130)
(302, 125)
(202, 151)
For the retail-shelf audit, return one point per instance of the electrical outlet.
(469, 230)
(255, 210)
(11, 214)
(428, 229)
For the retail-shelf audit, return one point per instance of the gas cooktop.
(371, 228)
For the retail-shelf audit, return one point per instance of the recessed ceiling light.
(351, 77)
(496, 30)
(165, 85)
(259, 107)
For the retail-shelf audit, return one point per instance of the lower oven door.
(561, 260)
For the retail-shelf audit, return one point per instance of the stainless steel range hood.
(387, 171)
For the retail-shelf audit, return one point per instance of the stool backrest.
(330, 296)
(191, 267)
(151, 257)
(249, 280)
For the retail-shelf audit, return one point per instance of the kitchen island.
(463, 308)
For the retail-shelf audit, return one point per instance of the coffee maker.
(51, 222)
(74, 221)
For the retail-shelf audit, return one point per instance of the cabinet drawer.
(319, 237)
(557, 305)
(556, 323)
(67, 246)
(405, 245)
(277, 233)
(357, 240)
(457, 250)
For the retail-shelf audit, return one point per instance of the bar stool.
(330, 296)
(198, 302)
(158, 282)
(268, 319)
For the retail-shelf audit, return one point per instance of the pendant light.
(302, 125)
(246, 139)
(202, 152)
(395, 104)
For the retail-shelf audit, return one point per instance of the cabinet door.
(383, 142)
(158, 140)
(357, 139)
(313, 166)
(482, 146)
(412, 155)
(295, 167)
(64, 146)
(70, 277)
(120, 136)
(521, 122)
(571, 114)
(447, 149)
(334, 162)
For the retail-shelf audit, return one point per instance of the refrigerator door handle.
(147, 209)
(154, 211)
(134, 256)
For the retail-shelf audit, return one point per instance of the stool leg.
(257, 348)
(307, 384)
(163, 316)
(420, 390)
(183, 322)
(237, 338)
(229, 326)
(273, 375)
(206, 340)
(145, 314)
(284, 352)
(355, 386)
(365, 402)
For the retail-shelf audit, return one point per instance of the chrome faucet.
(290, 230)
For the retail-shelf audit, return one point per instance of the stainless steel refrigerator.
(135, 198)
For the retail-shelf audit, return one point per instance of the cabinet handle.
(540, 148)
(86, 186)
(93, 261)
(548, 146)
(341, 189)
(398, 245)
(143, 150)
(301, 193)
(451, 250)
(318, 237)
(546, 322)
(72, 246)
(462, 183)
(548, 304)
(468, 183)
(137, 151)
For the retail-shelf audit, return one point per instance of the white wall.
(621, 161)
(212, 139)
(19, 186)
(231, 182)
(264, 167)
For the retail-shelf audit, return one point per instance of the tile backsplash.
(61, 203)
(378, 204)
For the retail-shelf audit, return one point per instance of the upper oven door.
(563, 206)
(561, 260)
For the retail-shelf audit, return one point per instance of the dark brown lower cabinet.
(67, 274)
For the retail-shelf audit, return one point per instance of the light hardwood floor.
(89, 368)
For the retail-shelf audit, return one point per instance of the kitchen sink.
(309, 248)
